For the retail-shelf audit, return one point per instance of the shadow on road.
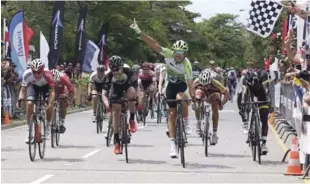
(194, 145)
(143, 130)
(141, 161)
(140, 146)
(74, 146)
(222, 155)
(272, 162)
(191, 165)
(8, 149)
(58, 159)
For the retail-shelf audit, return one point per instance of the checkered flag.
(263, 16)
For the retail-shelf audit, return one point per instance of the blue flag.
(90, 62)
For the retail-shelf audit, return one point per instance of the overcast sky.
(209, 8)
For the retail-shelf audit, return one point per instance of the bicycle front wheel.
(54, 130)
(42, 142)
(32, 145)
(181, 143)
(98, 118)
(109, 134)
(257, 140)
(206, 134)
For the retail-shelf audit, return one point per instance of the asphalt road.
(83, 157)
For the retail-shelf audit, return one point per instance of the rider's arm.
(188, 72)
(161, 80)
(151, 42)
(50, 82)
(66, 81)
(22, 92)
(24, 85)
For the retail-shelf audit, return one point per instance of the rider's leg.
(199, 94)
(141, 96)
(94, 102)
(49, 112)
(264, 112)
(215, 98)
(62, 113)
(131, 95)
(183, 96)
(172, 112)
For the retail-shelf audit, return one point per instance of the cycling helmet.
(252, 79)
(126, 65)
(100, 68)
(135, 68)
(152, 66)
(145, 66)
(37, 65)
(180, 45)
(56, 74)
(205, 77)
(115, 62)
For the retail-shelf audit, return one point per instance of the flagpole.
(3, 38)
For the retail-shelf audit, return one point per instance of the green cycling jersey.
(176, 72)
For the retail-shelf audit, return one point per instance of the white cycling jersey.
(47, 79)
(95, 79)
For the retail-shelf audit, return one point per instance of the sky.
(209, 8)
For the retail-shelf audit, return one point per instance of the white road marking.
(91, 153)
(227, 111)
(42, 179)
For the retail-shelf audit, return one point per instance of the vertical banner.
(56, 34)
(90, 62)
(80, 37)
(16, 34)
(102, 44)
(44, 49)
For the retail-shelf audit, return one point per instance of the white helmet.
(160, 68)
(205, 77)
(180, 45)
(56, 74)
(37, 65)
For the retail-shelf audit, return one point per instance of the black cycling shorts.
(172, 90)
(33, 91)
(117, 91)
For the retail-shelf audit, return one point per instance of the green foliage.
(219, 38)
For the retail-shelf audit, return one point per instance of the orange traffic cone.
(271, 119)
(6, 118)
(294, 168)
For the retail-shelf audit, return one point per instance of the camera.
(303, 75)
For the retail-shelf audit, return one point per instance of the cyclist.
(37, 79)
(98, 83)
(179, 77)
(212, 89)
(231, 81)
(121, 80)
(63, 88)
(160, 81)
(196, 70)
(256, 85)
(146, 82)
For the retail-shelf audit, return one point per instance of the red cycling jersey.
(146, 76)
(47, 78)
(64, 85)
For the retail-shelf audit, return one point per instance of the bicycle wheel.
(145, 112)
(159, 115)
(54, 129)
(32, 146)
(57, 127)
(109, 134)
(257, 139)
(42, 142)
(125, 136)
(98, 117)
(152, 110)
(181, 142)
(206, 134)
(251, 138)
(202, 111)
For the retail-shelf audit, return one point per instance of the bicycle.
(254, 134)
(159, 109)
(124, 134)
(110, 133)
(99, 113)
(180, 130)
(206, 135)
(55, 126)
(37, 128)
(146, 103)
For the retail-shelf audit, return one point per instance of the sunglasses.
(179, 52)
(36, 72)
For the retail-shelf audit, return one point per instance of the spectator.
(69, 70)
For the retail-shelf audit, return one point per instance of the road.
(83, 157)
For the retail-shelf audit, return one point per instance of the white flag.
(44, 49)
